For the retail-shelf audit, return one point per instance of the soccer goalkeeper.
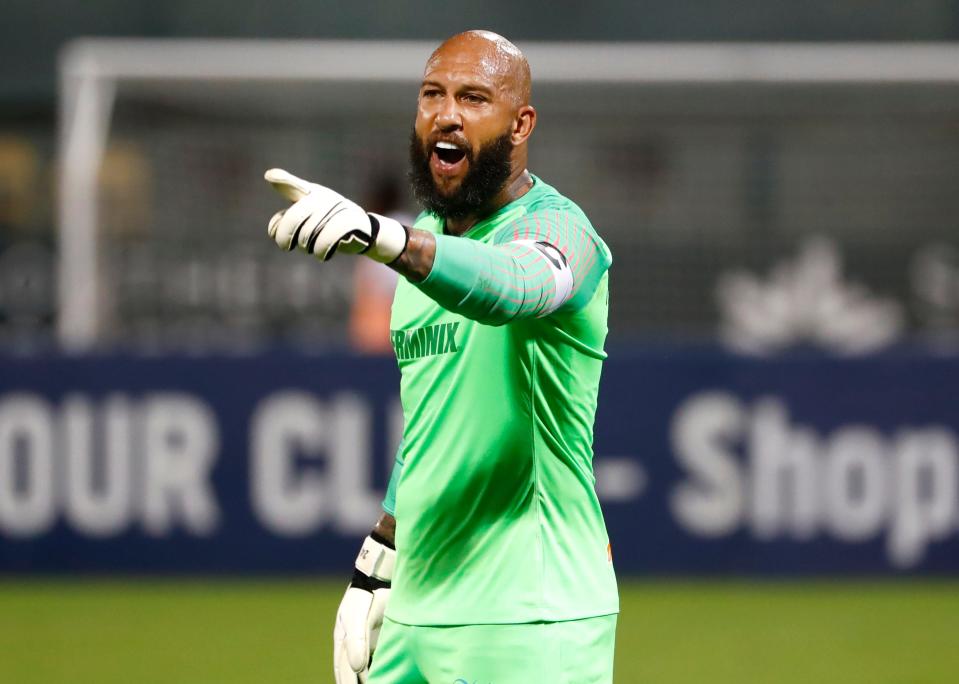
(491, 563)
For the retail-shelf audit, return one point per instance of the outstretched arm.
(535, 266)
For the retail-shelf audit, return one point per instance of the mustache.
(458, 140)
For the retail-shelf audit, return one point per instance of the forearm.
(416, 261)
(475, 280)
(493, 284)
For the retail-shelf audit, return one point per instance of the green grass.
(277, 632)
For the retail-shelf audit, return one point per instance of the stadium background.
(777, 445)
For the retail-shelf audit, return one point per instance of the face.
(465, 129)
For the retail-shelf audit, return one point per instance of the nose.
(448, 117)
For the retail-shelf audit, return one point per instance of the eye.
(473, 98)
(430, 93)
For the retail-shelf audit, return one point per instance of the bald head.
(502, 61)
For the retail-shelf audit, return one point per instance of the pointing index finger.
(288, 185)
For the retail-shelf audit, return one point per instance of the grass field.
(276, 632)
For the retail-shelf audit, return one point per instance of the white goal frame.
(91, 69)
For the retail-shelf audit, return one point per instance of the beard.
(488, 172)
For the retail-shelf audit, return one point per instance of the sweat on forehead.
(494, 53)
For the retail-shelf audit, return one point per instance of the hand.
(360, 616)
(322, 222)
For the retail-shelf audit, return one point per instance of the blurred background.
(196, 429)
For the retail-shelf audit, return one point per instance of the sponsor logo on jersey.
(429, 340)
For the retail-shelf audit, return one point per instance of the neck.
(515, 187)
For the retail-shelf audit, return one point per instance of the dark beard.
(487, 174)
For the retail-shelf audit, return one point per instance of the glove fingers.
(338, 224)
(374, 620)
(354, 610)
(298, 226)
(288, 185)
(342, 670)
(274, 222)
(320, 220)
(296, 222)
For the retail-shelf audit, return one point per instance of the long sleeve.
(536, 265)
(389, 501)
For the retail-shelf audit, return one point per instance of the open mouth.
(448, 154)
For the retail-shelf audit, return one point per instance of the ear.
(523, 124)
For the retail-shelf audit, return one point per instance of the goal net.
(716, 173)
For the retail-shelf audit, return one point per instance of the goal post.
(268, 79)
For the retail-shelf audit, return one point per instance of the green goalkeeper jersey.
(500, 351)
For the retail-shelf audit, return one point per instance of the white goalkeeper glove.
(322, 222)
(360, 616)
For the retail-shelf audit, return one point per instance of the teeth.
(446, 145)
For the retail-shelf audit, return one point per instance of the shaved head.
(497, 56)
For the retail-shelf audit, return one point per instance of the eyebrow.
(466, 86)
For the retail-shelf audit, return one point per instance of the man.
(502, 566)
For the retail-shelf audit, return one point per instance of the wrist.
(416, 263)
(390, 238)
(384, 530)
(376, 560)
(367, 583)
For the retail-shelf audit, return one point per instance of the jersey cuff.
(438, 258)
